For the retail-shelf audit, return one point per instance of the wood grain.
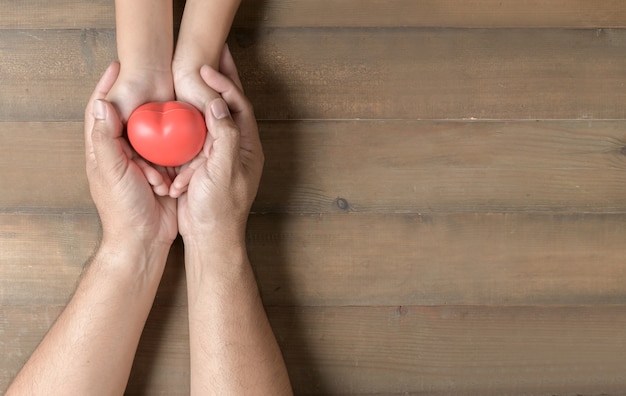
(433, 73)
(354, 73)
(48, 75)
(369, 166)
(99, 14)
(315, 260)
(46, 163)
(432, 13)
(57, 14)
(423, 167)
(442, 208)
(390, 350)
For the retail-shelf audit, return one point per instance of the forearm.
(203, 32)
(144, 34)
(90, 348)
(233, 348)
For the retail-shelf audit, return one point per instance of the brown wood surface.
(445, 350)
(365, 260)
(98, 14)
(361, 166)
(329, 73)
(442, 210)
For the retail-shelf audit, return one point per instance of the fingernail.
(99, 109)
(219, 108)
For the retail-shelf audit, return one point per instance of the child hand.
(136, 87)
(190, 87)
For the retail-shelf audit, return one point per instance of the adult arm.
(90, 348)
(233, 348)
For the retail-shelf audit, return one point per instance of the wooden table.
(443, 208)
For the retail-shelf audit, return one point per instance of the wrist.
(214, 256)
(146, 73)
(215, 243)
(132, 260)
(186, 63)
(133, 240)
(216, 237)
(185, 70)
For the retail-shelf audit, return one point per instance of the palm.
(132, 203)
(156, 219)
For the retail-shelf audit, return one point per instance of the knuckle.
(98, 134)
(230, 130)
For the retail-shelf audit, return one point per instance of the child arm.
(145, 41)
(204, 28)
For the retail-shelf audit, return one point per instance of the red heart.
(167, 133)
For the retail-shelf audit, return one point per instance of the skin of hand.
(136, 87)
(90, 348)
(223, 179)
(122, 184)
(191, 88)
(233, 350)
(203, 31)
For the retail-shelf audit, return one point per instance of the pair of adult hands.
(212, 194)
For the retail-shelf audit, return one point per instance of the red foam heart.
(167, 133)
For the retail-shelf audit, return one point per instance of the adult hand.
(190, 86)
(122, 184)
(224, 178)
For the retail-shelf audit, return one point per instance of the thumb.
(106, 130)
(223, 130)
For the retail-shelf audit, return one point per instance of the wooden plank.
(369, 166)
(50, 74)
(65, 14)
(390, 350)
(98, 14)
(47, 166)
(477, 259)
(354, 73)
(41, 257)
(432, 13)
(453, 350)
(409, 166)
(482, 259)
(433, 73)
(57, 14)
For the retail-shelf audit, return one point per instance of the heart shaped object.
(167, 133)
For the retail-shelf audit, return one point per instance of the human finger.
(156, 179)
(229, 68)
(240, 106)
(181, 182)
(226, 87)
(224, 132)
(105, 134)
(101, 90)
